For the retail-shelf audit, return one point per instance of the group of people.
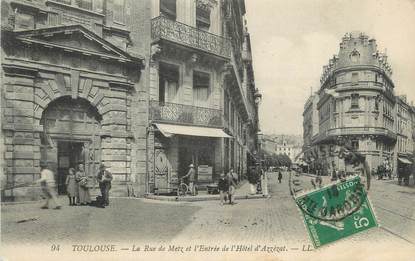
(227, 186)
(77, 186)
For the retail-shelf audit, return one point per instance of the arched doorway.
(70, 136)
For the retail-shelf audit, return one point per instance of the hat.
(191, 166)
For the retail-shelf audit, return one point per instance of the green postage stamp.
(336, 211)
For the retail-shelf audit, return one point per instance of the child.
(223, 186)
(71, 187)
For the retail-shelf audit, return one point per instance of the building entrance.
(70, 154)
(71, 135)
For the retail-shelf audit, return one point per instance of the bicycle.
(184, 189)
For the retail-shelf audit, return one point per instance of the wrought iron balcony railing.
(185, 114)
(164, 28)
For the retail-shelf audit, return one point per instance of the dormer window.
(168, 9)
(354, 56)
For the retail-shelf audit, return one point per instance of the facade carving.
(88, 82)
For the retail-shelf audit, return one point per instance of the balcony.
(333, 133)
(163, 28)
(185, 114)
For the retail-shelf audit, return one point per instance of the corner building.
(356, 103)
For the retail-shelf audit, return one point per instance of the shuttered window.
(201, 88)
(203, 18)
(169, 83)
(168, 9)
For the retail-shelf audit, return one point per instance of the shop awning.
(405, 161)
(169, 130)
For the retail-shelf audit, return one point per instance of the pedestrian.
(47, 183)
(104, 178)
(223, 186)
(71, 187)
(231, 186)
(279, 176)
(252, 179)
(191, 176)
(259, 175)
(82, 179)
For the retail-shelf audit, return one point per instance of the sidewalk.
(242, 192)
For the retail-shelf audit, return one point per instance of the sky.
(293, 39)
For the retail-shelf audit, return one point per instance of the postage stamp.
(336, 211)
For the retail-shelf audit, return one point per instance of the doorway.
(70, 154)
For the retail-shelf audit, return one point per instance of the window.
(68, 2)
(168, 9)
(378, 145)
(203, 18)
(84, 4)
(355, 144)
(354, 101)
(118, 11)
(226, 106)
(201, 83)
(168, 82)
(355, 78)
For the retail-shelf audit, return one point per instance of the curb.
(203, 198)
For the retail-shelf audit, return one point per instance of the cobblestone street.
(275, 221)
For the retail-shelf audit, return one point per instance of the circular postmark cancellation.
(335, 193)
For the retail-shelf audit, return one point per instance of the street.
(275, 221)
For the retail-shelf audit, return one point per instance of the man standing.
(47, 183)
(191, 175)
(104, 178)
(231, 185)
(279, 176)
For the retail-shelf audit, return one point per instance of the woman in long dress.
(71, 187)
(82, 179)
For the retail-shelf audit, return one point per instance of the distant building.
(289, 145)
(356, 102)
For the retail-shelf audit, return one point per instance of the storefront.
(178, 146)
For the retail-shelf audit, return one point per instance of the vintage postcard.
(207, 130)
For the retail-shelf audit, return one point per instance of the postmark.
(329, 217)
(335, 208)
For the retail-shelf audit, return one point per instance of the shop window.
(168, 9)
(203, 18)
(354, 101)
(118, 10)
(168, 82)
(201, 84)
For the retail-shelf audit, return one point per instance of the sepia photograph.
(207, 130)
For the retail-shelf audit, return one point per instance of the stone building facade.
(356, 102)
(201, 88)
(146, 87)
(71, 93)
